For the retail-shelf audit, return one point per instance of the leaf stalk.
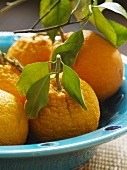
(58, 62)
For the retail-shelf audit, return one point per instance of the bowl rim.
(85, 141)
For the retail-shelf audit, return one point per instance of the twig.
(10, 5)
(59, 27)
(72, 12)
(61, 34)
(53, 27)
(46, 13)
(15, 62)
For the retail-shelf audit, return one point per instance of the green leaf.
(114, 7)
(121, 32)
(60, 14)
(37, 97)
(69, 50)
(103, 25)
(95, 2)
(101, 8)
(31, 73)
(108, 0)
(82, 10)
(71, 84)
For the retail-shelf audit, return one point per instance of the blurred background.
(26, 14)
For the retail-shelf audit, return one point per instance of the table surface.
(111, 155)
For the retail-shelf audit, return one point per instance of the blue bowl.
(69, 153)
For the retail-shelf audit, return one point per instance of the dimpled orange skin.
(9, 75)
(63, 117)
(31, 49)
(99, 63)
(13, 120)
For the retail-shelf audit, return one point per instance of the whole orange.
(99, 63)
(30, 49)
(13, 120)
(63, 117)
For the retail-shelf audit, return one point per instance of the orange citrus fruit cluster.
(100, 68)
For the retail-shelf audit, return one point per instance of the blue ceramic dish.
(69, 153)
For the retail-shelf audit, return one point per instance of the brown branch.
(51, 28)
(61, 34)
(46, 14)
(74, 10)
(10, 5)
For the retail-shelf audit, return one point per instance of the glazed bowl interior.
(112, 122)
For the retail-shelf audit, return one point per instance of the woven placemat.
(109, 156)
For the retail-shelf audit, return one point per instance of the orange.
(30, 49)
(63, 117)
(99, 63)
(13, 120)
(9, 75)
